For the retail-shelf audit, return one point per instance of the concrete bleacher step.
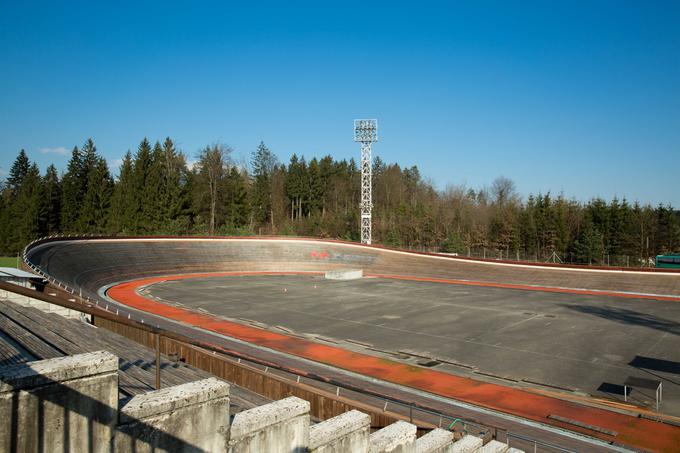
(468, 444)
(494, 447)
(397, 437)
(29, 334)
(193, 416)
(436, 441)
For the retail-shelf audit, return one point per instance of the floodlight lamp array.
(366, 131)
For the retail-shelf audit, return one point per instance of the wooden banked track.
(92, 264)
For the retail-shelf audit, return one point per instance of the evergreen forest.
(156, 192)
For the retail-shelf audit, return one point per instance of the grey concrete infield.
(571, 343)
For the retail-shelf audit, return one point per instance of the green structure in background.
(668, 261)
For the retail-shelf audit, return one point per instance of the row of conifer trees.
(157, 191)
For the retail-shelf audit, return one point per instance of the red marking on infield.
(633, 431)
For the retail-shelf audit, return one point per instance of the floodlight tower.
(366, 132)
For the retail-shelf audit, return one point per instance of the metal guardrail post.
(537, 442)
(158, 361)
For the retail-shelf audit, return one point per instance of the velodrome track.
(92, 264)
(125, 265)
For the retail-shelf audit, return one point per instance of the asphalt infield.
(576, 343)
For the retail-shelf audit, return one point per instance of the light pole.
(366, 133)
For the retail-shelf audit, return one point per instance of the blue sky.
(579, 97)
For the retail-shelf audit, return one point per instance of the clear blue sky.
(579, 97)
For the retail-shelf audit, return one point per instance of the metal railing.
(536, 443)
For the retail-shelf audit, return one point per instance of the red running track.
(633, 431)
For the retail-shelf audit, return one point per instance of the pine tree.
(560, 222)
(667, 235)
(154, 207)
(529, 233)
(236, 200)
(123, 211)
(327, 171)
(294, 185)
(18, 173)
(5, 223)
(90, 159)
(52, 192)
(96, 190)
(73, 191)
(141, 201)
(452, 244)
(599, 213)
(314, 190)
(589, 247)
(12, 213)
(280, 203)
(263, 162)
(97, 199)
(173, 197)
(29, 209)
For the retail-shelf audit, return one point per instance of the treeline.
(157, 192)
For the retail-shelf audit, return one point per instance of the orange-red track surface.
(632, 431)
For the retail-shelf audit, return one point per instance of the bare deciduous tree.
(212, 167)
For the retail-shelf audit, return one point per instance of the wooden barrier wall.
(324, 405)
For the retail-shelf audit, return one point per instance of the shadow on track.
(625, 316)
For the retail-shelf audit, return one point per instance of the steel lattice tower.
(366, 132)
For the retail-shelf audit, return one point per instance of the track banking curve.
(125, 264)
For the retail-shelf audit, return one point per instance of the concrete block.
(62, 404)
(25, 301)
(278, 427)
(344, 274)
(399, 437)
(436, 441)
(468, 444)
(347, 432)
(514, 450)
(44, 372)
(185, 418)
(494, 447)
